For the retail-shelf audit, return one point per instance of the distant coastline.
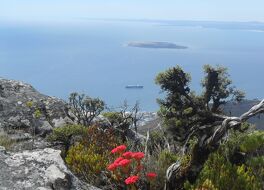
(156, 45)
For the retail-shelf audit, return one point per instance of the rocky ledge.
(24, 108)
(38, 170)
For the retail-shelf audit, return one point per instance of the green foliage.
(88, 158)
(237, 165)
(65, 134)
(206, 185)
(29, 104)
(159, 162)
(217, 87)
(252, 142)
(118, 119)
(87, 161)
(183, 110)
(37, 113)
(174, 80)
(165, 159)
(226, 176)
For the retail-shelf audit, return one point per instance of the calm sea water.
(91, 57)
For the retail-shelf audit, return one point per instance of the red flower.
(119, 149)
(118, 160)
(128, 155)
(138, 155)
(151, 175)
(131, 180)
(124, 162)
(112, 167)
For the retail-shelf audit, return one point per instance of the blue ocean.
(91, 57)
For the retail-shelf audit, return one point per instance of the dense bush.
(237, 165)
(88, 162)
(88, 158)
(253, 142)
(159, 162)
(65, 134)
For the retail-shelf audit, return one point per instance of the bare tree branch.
(208, 143)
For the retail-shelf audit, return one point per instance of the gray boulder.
(37, 170)
(24, 108)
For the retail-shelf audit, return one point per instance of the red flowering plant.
(128, 170)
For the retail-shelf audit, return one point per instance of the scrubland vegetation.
(198, 147)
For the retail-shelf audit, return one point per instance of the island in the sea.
(156, 45)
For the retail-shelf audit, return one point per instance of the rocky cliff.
(24, 108)
(32, 164)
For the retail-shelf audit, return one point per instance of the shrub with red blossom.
(151, 175)
(118, 160)
(124, 163)
(112, 167)
(127, 168)
(138, 155)
(119, 149)
(131, 180)
(128, 155)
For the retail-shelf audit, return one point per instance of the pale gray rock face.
(39, 169)
(17, 113)
(26, 116)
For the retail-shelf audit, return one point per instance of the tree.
(183, 111)
(197, 118)
(85, 108)
(124, 119)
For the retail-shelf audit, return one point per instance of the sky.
(65, 10)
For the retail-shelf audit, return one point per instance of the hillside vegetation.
(197, 146)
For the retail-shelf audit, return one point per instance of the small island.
(156, 45)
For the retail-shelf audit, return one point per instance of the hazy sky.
(63, 10)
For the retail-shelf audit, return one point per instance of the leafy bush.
(88, 158)
(237, 165)
(87, 161)
(62, 134)
(115, 118)
(252, 142)
(225, 176)
(65, 134)
(164, 160)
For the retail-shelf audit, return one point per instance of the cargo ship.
(135, 86)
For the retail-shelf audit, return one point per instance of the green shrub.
(65, 134)
(87, 162)
(88, 158)
(252, 142)
(115, 118)
(159, 162)
(225, 176)
(225, 170)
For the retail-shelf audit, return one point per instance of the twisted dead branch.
(177, 174)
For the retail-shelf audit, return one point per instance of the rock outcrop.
(37, 170)
(24, 108)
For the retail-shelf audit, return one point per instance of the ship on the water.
(135, 86)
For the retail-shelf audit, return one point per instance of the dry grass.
(6, 141)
